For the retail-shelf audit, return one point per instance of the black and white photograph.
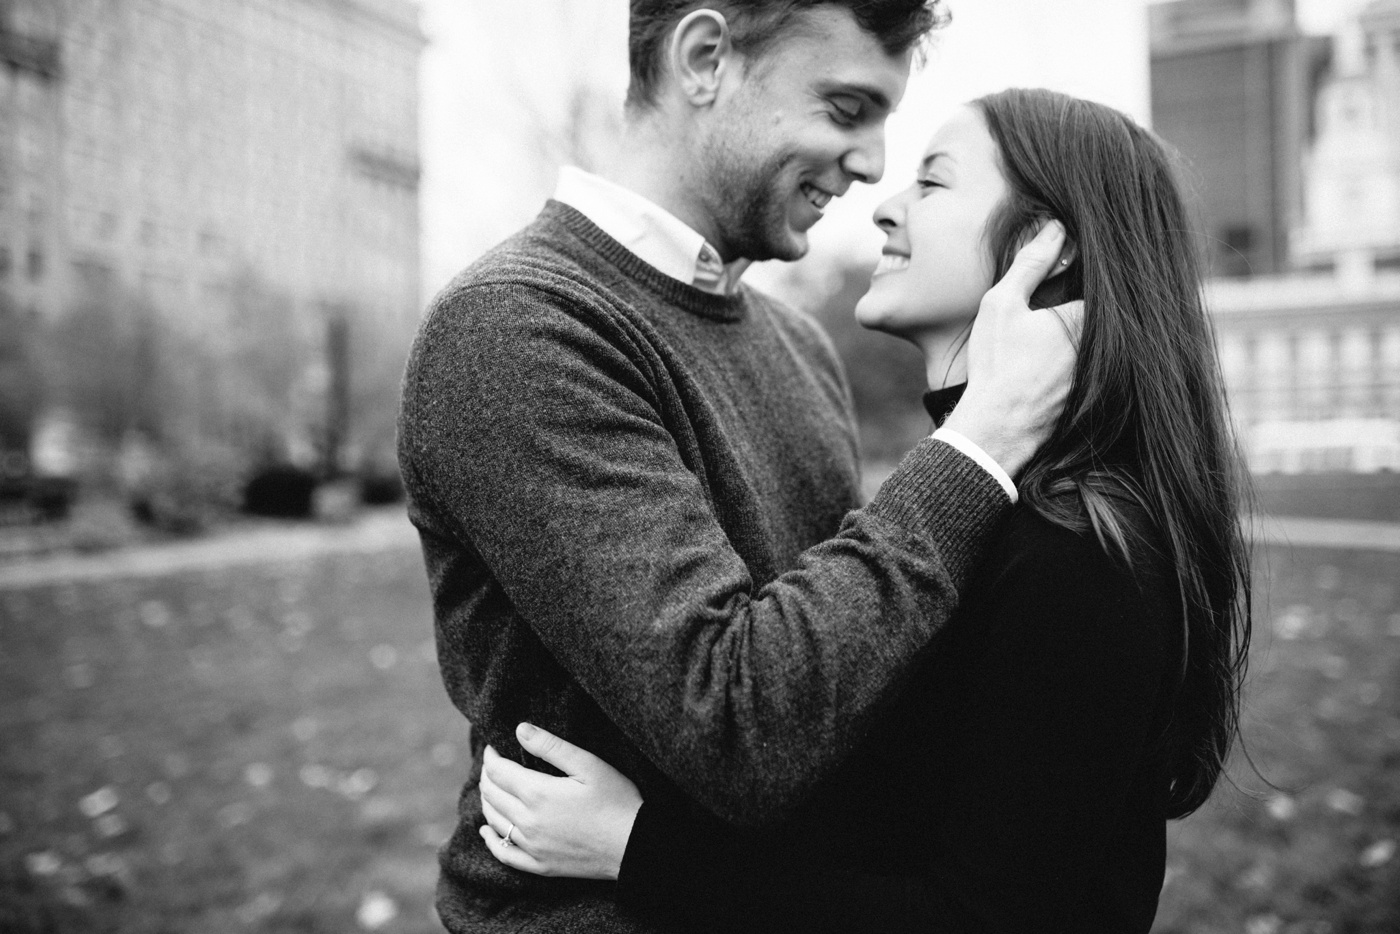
(700, 466)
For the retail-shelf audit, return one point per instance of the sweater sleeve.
(537, 438)
(1032, 827)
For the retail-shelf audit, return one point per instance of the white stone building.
(1312, 359)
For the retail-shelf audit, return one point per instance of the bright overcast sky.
(494, 73)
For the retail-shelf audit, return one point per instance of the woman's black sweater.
(1017, 785)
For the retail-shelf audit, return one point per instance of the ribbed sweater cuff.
(940, 493)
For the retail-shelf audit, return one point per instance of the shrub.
(281, 491)
(380, 486)
(186, 493)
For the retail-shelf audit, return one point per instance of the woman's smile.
(891, 262)
(936, 265)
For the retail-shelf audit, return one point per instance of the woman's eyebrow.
(933, 157)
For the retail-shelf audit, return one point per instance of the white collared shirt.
(670, 245)
(984, 460)
(655, 235)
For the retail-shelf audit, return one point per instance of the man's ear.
(700, 53)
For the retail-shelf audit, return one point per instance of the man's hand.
(1019, 362)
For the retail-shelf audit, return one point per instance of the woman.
(1089, 689)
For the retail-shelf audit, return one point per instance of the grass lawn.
(270, 749)
(260, 749)
(1317, 855)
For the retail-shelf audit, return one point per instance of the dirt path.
(1332, 533)
(385, 530)
(372, 532)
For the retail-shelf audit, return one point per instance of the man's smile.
(818, 198)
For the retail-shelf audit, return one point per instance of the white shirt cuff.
(983, 459)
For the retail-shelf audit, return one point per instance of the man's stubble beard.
(750, 206)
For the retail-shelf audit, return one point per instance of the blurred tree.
(379, 344)
(584, 133)
(337, 393)
(21, 387)
(575, 117)
(105, 361)
(262, 401)
(178, 407)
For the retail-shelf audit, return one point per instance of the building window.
(1238, 237)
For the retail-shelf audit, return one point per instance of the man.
(635, 478)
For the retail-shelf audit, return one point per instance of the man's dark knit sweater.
(637, 503)
(1016, 787)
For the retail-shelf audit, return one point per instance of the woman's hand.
(575, 826)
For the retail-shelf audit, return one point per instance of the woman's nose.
(887, 215)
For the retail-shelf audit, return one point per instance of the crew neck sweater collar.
(731, 307)
(649, 230)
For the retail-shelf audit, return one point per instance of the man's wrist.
(1010, 450)
(983, 459)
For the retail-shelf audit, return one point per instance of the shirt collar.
(655, 235)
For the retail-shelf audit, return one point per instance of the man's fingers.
(1071, 315)
(1034, 261)
(562, 754)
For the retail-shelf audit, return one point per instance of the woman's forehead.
(964, 126)
(963, 139)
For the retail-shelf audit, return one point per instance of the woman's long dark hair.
(1143, 454)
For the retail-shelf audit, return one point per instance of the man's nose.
(866, 161)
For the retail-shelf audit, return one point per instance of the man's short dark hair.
(754, 25)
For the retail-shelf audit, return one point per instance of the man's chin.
(791, 247)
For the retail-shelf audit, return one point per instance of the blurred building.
(163, 141)
(1233, 85)
(31, 141)
(1351, 217)
(1293, 143)
(1313, 368)
(183, 151)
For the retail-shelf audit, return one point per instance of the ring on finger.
(506, 840)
